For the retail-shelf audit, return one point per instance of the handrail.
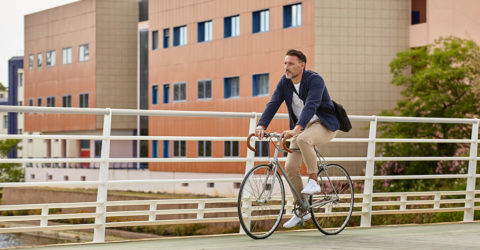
(369, 205)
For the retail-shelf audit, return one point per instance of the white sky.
(11, 28)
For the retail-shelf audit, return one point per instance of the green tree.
(9, 172)
(439, 80)
(2, 88)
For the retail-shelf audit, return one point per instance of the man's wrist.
(259, 127)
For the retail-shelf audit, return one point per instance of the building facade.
(83, 54)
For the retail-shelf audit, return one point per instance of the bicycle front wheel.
(261, 202)
(332, 208)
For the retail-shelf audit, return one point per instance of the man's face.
(293, 66)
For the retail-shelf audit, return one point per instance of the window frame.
(82, 56)
(176, 85)
(261, 21)
(227, 87)
(231, 26)
(259, 146)
(52, 54)
(205, 31)
(81, 98)
(231, 147)
(179, 148)
(207, 146)
(256, 88)
(30, 61)
(166, 93)
(39, 59)
(65, 59)
(155, 94)
(50, 101)
(180, 36)
(67, 101)
(154, 39)
(288, 16)
(204, 83)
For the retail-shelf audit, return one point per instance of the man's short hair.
(298, 54)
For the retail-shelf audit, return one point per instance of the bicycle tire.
(260, 217)
(332, 217)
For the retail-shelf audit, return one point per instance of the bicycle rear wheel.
(261, 202)
(332, 207)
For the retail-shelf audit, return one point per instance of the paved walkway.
(434, 236)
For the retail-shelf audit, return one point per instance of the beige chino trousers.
(314, 134)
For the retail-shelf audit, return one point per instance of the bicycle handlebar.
(284, 141)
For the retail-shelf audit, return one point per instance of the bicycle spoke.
(332, 208)
(259, 208)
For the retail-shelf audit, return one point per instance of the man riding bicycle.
(306, 97)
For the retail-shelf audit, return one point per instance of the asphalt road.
(433, 236)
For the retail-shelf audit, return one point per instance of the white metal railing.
(199, 207)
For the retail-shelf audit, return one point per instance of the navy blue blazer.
(314, 95)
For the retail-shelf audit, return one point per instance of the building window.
(166, 93)
(166, 149)
(67, 55)
(65, 177)
(230, 148)
(39, 60)
(155, 94)
(5, 121)
(292, 15)
(179, 148)
(180, 35)
(30, 61)
(83, 100)
(154, 149)
(20, 79)
(260, 21)
(50, 177)
(204, 148)
(210, 185)
(39, 101)
(51, 58)
(263, 148)
(98, 149)
(204, 89)
(51, 101)
(231, 26)
(180, 91)
(20, 103)
(83, 53)
(419, 11)
(32, 176)
(83, 178)
(166, 38)
(154, 39)
(30, 102)
(260, 85)
(205, 31)
(66, 101)
(231, 87)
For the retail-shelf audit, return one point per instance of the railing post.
(201, 209)
(366, 220)
(436, 204)
(248, 166)
(102, 192)
(153, 210)
(472, 171)
(403, 200)
(250, 153)
(44, 220)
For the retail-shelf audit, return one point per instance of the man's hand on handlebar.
(291, 133)
(259, 132)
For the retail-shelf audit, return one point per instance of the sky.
(11, 28)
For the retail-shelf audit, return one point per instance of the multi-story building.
(219, 55)
(228, 56)
(82, 54)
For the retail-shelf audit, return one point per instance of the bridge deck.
(433, 236)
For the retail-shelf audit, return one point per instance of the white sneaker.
(311, 188)
(295, 220)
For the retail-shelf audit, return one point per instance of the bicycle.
(261, 199)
